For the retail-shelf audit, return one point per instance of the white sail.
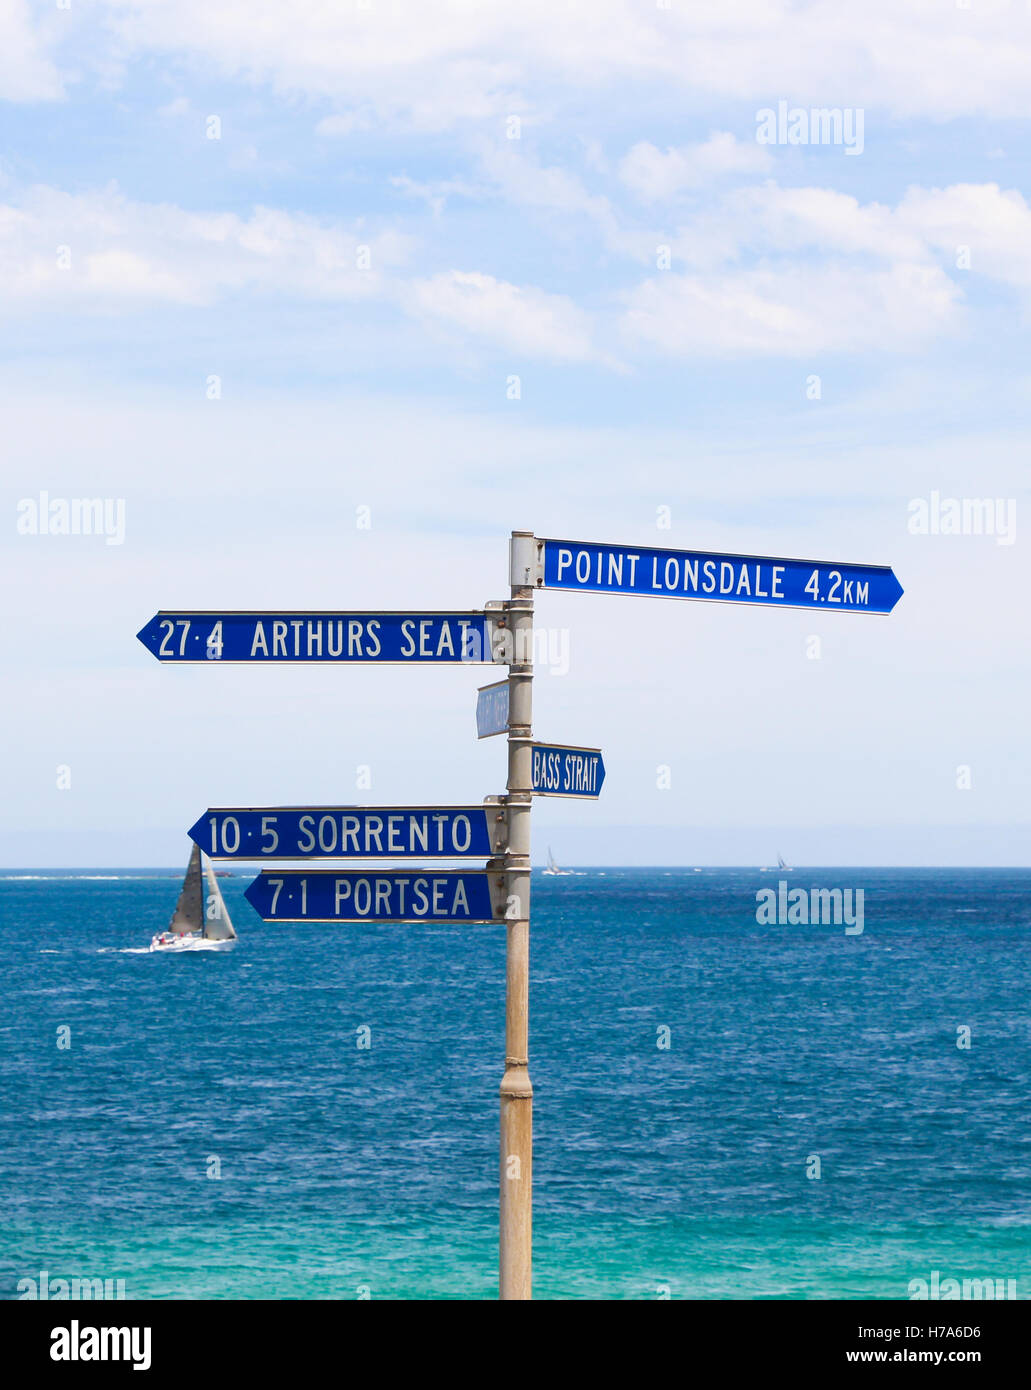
(189, 910)
(217, 926)
(551, 859)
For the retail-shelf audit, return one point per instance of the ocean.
(213, 1129)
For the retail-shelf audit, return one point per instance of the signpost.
(415, 895)
(412, 638)
(515, 1243)
(499, 830)
(696, 574)
(352, 832)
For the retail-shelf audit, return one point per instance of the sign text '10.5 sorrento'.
(351, 832)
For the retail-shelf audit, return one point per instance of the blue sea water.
(680, 1168)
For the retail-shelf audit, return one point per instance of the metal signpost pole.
(516, 1196)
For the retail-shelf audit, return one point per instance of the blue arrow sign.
(274, 638)
(695, 574)
(492, 710)
(418, 895)
(562, 771)
(351, 832)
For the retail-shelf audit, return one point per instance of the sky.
(323, 301)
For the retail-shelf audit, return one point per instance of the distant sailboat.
(553, 869)
(781, 866)
(197, 922)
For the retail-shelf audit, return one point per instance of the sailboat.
(781, 868)
(200, 920)
(553, 869)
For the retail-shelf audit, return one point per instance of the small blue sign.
(694, 574)
(492, 710)
(275, 638)
(351, 832)
(418, 895)
(562, 771)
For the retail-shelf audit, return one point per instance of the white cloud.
(928, 225)
(995, 225)
(444, 62)
(179, 106)
(521, 180)
(344, 123)
(799, 311)
(769, 270)
(525, 320)
(551, 190)
(124, 275)
(798, 271)
(655, 175)
(771, 218)
(436, 193)
(120, 252)
(101, 251)
(27, 72)
(766, 219)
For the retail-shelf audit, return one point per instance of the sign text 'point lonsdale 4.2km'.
(692, 574)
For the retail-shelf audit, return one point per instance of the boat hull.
(189, 942)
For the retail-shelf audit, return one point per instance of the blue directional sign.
(492, 709)
(417, 895)
(275, 638)
(695, 574)
(562, 771)
(351, 832)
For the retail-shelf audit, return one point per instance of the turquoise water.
(683, 1168)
